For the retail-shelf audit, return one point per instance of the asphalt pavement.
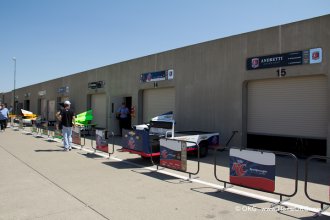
(38, 180)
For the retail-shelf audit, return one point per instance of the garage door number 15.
(281, 72)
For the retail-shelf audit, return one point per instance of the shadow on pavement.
(50, 150)
(91, 155)
(254, 204)
(162, 177)
(226, 195)
(128, 163)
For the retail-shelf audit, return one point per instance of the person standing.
(4, 115)
(123, 114)
(58, 125)
(67, 118)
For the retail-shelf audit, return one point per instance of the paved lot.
(40, 181)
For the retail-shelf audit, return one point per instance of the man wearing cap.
(67, 118)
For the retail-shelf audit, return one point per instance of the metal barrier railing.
(183, 156)
(113, 143)
(14, 124)
(231, 137)
(76, 136)
(183, 148)
(39, 131)
(259, 189)
(324, 205)
(33, 129)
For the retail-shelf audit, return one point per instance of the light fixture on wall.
(96, 85)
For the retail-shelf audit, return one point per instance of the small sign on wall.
(42, 93)
(315, 55)
(170, 74)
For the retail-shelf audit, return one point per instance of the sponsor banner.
(76, 136)
(173, 154)
(310, 56)
(152, 77)
(252, 169)
(63, 90)
(101, 142)
(137, 140)
(157, 76)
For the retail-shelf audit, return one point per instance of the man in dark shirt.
(67, 118)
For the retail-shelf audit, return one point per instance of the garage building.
(270, 85)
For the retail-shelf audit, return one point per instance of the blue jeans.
(67, 136)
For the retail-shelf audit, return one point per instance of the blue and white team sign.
(101, 142)
(173, 154)
(252, 169)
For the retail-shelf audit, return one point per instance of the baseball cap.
(67, 103)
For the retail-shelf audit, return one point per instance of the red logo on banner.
(164, 154)
(255, 63)
(239, 169)
(315, 55)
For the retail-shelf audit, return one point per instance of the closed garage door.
(98, 104)
(157, 101)
(294, 107)
(51, 110)
(44, 108)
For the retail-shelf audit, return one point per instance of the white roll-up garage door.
(288, 107)
(98, 104)
(157, 101)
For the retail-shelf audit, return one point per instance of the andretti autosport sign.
(311, 56)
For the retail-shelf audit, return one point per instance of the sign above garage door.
(157, 76)
(310, 56)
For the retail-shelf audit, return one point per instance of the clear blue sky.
(54, 38)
